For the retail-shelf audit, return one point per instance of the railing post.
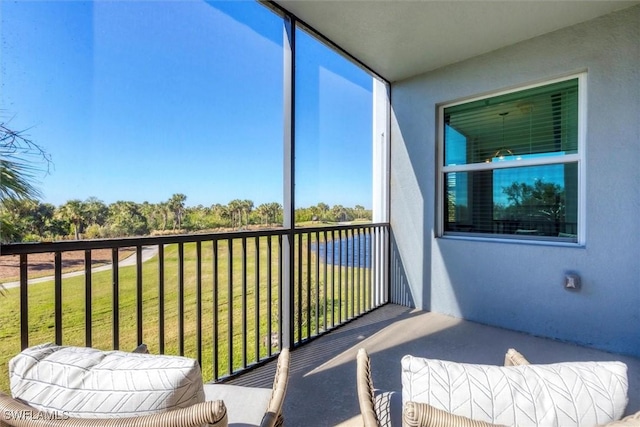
(215, 310)
(24, 302)
(269, 297)
(244, 303)
(387, 261)
(199, 302)
(181, 298)
(115, 298)
(57, 261)
(230, 305)
(139, 295)
(161, 298)
(88, 323)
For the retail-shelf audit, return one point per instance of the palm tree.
(28, 217)
(163, 209)
(16, 174)
(16, 181)
(235, 209)
(176, 204)
(19, 157)
(247, 207)
(74, 212)
(96, 211)
(323, 208)
(263, 212)
(275, 211)
(221, 212)
(339, 213)
(125, 219)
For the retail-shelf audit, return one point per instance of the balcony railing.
(229, 300)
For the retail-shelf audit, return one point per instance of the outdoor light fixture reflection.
(502, 152)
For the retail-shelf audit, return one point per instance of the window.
(510, 164)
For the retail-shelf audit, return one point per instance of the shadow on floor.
(322, 385)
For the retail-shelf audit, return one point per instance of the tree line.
(23, 218)
(33, 221)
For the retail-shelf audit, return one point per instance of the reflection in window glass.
(334, 108)
(534, 201)
(538, 121)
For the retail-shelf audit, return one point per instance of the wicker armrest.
(17, 414)
(273, 417)
(514, 358)
(424, 415)
(365, 389)
(630, 421)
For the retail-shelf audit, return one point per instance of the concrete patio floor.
(322, 384)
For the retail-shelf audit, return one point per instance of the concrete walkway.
(322, 386)
(148, 252)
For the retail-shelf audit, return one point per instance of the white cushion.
(563, 394)
(89, 383)
(246, 406)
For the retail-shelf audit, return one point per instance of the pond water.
(349, 251)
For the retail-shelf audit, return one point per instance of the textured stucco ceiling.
(399, 39)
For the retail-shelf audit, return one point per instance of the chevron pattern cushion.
(581, 394)
(89, 383)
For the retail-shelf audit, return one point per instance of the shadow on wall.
(400, 292)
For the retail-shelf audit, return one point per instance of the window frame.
(577, 158)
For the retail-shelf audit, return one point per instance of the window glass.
(533, 201)
(515, 126)
(509, 164)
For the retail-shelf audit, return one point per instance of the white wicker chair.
(424, 415)
(17, 414)
(252, 406)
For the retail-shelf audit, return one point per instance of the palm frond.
(16, 180)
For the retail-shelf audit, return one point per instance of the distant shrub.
(167, 232)
(94, 231)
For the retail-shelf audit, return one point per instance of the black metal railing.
(215, 297)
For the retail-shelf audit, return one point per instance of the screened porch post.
(288, 34)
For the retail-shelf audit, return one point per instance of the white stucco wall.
(517, 285)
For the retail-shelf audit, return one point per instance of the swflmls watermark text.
(34, 415)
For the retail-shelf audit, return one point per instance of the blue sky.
(140, 100)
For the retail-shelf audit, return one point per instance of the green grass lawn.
(313, 290)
